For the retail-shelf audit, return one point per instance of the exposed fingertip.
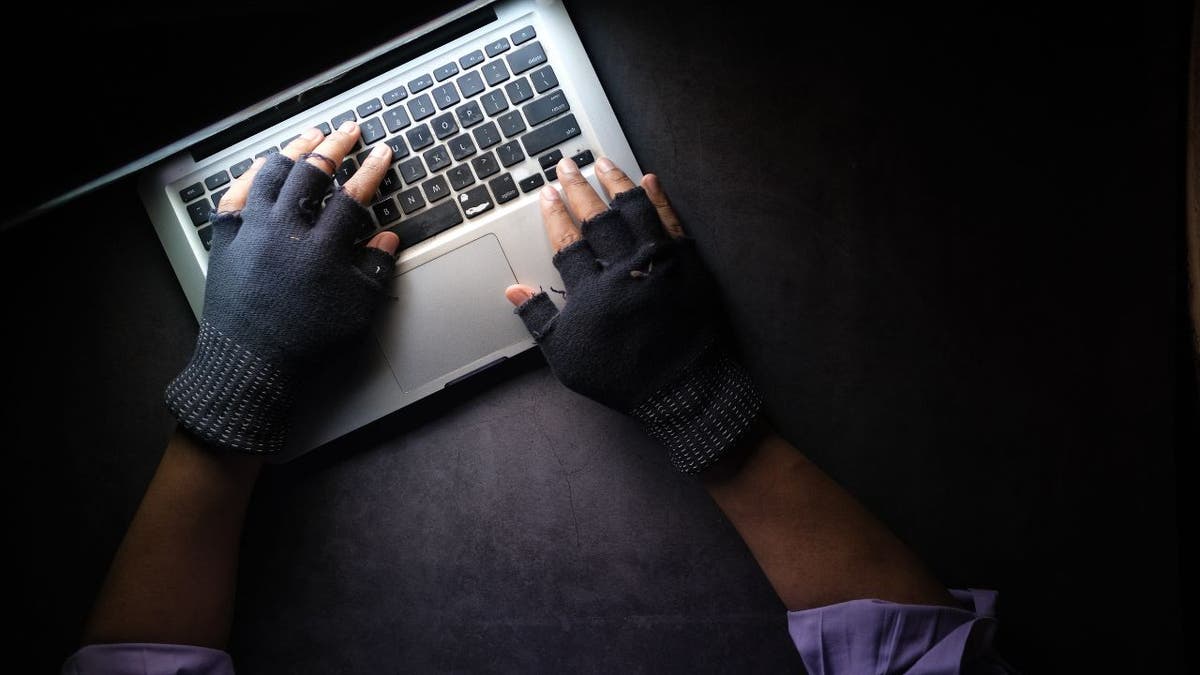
(381, 150)
(604, 165)
(566, 165)
(311, 134)
(348, 127)
(519, 294)
(550, 194)
(387, 242)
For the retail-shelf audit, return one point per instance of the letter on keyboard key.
(550, 135)
(529, 56)
(435, 188)
(199, 212)
(424, 225)
(386, 211)
(444, 126)
(192, 191)
(412, 170)
(437, 158)
(411, 200)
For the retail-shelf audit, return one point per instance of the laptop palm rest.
(450, 313)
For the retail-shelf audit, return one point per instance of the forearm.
(174, 575)
(816, 543)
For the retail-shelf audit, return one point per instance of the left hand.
(285, 283)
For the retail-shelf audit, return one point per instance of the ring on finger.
(316, 155)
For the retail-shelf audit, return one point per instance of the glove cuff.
(230, 398)
(703, 413)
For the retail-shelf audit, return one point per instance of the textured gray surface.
(949, 244)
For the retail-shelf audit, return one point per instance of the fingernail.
(347, 127)
(311, 134)
(605, 165)
(380, 150)
(385, 241)
(549, 194)
(565, 165)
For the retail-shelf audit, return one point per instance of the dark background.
(951, 246)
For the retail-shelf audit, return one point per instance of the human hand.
(285, 283)
(640, 330)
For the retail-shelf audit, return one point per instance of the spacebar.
(550, 135)
(424, 225)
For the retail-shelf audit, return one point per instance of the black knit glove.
(285, 282)
(640, 333)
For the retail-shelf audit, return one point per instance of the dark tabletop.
(950, 245)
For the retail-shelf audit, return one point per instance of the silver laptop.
(478, 106)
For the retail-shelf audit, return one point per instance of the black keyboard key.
(435, 188)
(460, 176)
(446, 96)
(410, 200)
(199, 212)
(532, 183)
(338, 121)
(216, 197)
(529, 56)
(470, 84)
(386, 211)
(425, 225)
(475, 201)
(444, 126)
(206, 235)
(369, 108)
(461, 147)
(546, 107)
(216, 180)
(362, 156)
(550, 159)
(523, 35)
(510, 153)
(485, 165)
(469, 114)
(421, 83)
(324, 128)
(583, 159)
(551, 134)
(544, 79)
(372, 131)
(390, 182)
(442, 72)
(268, 152)
(511, 124)
(437, 158)
(419, 137)
(421, 107)
(399, 148)
(288, 141)
(192, 191)
(504, 188)
(411, 170)
(551, 174)
(487, 135)
(493, 102)
(396, 119)
(498, 47)
(519, 90)
(471, 60)
(494, 73)
(395, 96)
(241, 167)
(345, 171)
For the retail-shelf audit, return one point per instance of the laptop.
(478, 106)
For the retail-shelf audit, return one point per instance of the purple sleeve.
(874, 636)
(135, 658)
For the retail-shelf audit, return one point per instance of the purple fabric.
(870, 637)
(147, 659)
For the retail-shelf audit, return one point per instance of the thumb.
(519, 294)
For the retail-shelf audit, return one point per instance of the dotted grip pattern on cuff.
(702, 414)
(230, 398)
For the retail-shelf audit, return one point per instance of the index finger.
(560, 229)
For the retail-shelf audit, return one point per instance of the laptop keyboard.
(453, 132)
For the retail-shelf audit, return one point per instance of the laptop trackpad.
(450, 312)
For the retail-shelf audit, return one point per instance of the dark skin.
(173, 578)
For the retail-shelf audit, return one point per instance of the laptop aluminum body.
(447, 317)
